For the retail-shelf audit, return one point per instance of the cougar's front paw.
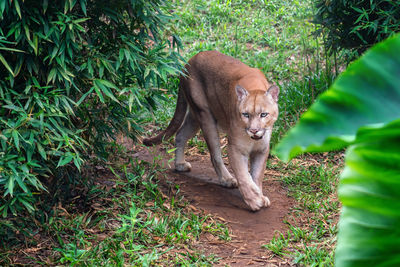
(255, 204)
(258, 202)
(183, 167)
(254, 198)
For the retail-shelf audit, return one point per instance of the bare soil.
(249, 230)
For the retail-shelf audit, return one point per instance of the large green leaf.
(369, 228)
(368, 92)
(361, 110)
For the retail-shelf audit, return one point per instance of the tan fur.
(223, 95)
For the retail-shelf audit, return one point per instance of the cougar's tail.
(174, 124)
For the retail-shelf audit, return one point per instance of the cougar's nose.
(253, 131)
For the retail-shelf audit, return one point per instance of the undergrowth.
(128, 217)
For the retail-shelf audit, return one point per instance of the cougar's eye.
(245, 114)
(264, 114)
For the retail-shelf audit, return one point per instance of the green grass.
(312, 223)
(127, 218)
(261, 34)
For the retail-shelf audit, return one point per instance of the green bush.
(73, 76)
(356, 25)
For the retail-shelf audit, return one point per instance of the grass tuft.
(312, 224)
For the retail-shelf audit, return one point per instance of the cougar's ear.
(274, 92)
(241, 92)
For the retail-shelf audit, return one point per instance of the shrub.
(73, 75)
(356, 25)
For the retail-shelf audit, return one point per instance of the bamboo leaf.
(17, 8)
(45, 5)
(104, 86)
(84, 96)
(3, 60)
(21, 184)
(65, 160)
(27, 205)
(77, 21)
(66, 7)
(2, 7)
(67, 106)
(11, 49)
(10, 185)
(27, 32)
(15, 136)
(99, 93)
(83, 6)
(41, 151)
(52, 75)
(107, 83)
(35, 44)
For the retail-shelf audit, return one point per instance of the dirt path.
(250, 230)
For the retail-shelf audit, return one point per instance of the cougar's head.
(258, 110)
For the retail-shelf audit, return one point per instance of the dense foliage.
(357, 25)
(73, 76)
(361, 111)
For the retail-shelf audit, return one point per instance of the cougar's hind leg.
(189, 128)
(210, 131)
